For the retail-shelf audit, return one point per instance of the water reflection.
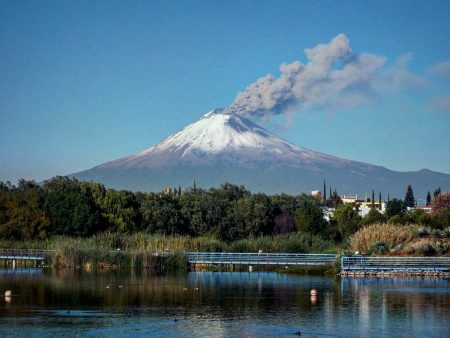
(128, 303)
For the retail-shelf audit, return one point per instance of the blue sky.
(85, 82)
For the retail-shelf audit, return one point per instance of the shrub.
(426, 249)
(442, 218)
(446, 233)
(422, 232)
(396, 219)
(436, 233)
(442, 248)
(398, 248)
(378, 248)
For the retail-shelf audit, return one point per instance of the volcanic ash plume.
(333, 77)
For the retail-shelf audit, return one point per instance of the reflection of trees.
(227, 295)
(394, 300)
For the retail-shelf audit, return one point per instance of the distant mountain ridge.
(223, 147)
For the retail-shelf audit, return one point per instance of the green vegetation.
(68, 207)
(136, 250)
(409, 197)
(85, 223)
(398, 239)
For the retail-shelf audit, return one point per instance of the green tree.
(252, 216)
(121, 210)
(347, 220)
(437, 192)
(162, 214)
(374, 216)
(428, 200)
(395, 207)
(284, 204)
(21, 215)
(334, 200)
(418, 216)
(309, 216)
(69, 206)
(230, 192)
(193, 210)
(409, 197)
(441, 218)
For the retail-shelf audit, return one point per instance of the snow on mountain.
(219, 135)
(222, 147)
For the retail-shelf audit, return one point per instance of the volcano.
(225, 147)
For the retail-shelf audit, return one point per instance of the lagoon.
(105, 303)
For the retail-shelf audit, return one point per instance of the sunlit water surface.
(58, 303)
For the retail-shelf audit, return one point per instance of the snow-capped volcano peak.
(226, 147)
(224, 136)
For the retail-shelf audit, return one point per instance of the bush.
(442, 248)
(426, 250)
(398, 248)
(442, 218)
(422, 232)
(378, 248)
(397, 219)
(446, 233)
(436, 233)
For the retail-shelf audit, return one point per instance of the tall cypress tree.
(373, 198)
(428, 199)
(379, 201)
(437, 192)
(324, 191)
(409, 197)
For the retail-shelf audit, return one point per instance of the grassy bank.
(135, 250)
(394, 239)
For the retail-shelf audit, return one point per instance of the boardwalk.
(352, 263)
(24, 254)
(363, 263)
(259, 258)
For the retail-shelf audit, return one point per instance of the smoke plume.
(333, 77)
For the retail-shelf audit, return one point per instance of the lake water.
(58, 303)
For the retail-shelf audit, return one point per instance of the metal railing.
(259, 258)
(395, 263)
(24, 254)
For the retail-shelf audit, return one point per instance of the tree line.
(66, 206)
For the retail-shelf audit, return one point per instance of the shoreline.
(394, 273)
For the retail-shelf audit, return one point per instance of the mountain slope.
(222, 136)
(227, 147)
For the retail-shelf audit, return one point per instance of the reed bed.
(137, 249)
(391, 235)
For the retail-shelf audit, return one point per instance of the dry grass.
(390, 234)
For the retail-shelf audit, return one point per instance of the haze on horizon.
(82, 84)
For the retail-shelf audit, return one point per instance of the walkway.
(363, 263)
(259, 258)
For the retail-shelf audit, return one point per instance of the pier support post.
(14, 264)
